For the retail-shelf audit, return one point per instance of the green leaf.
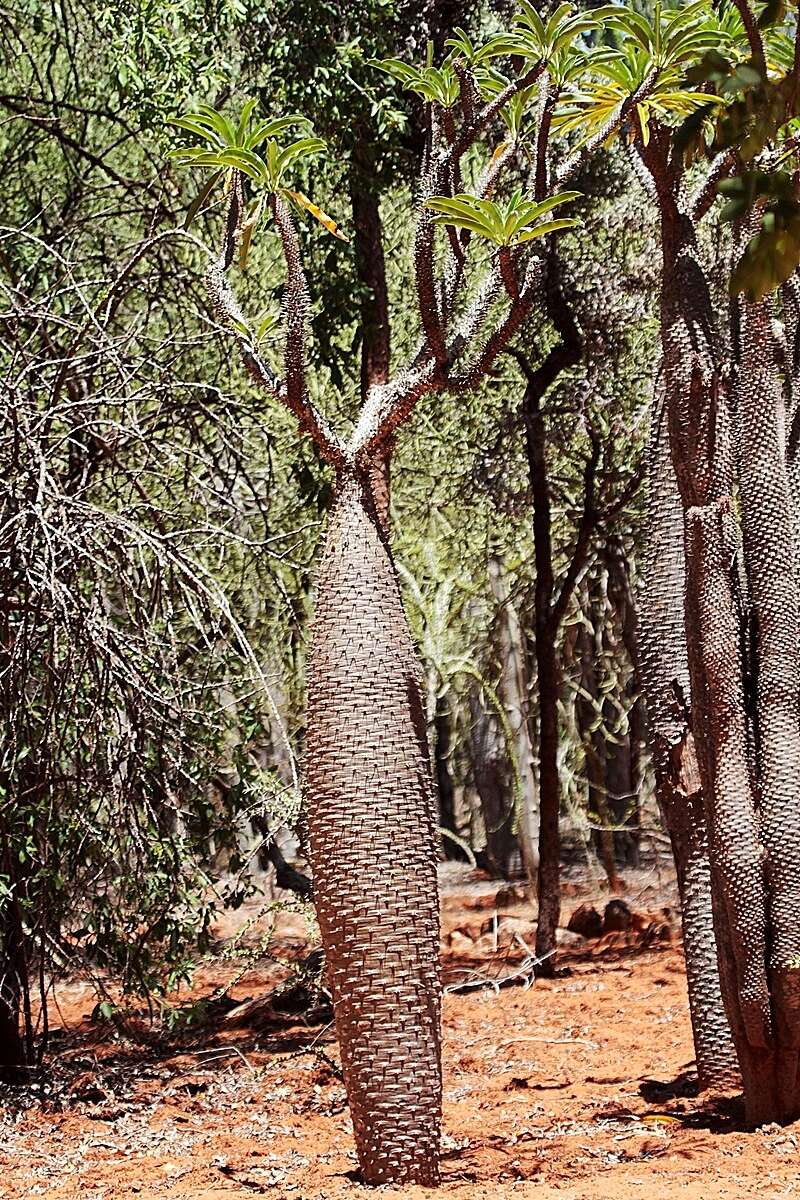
(244, 121)
(245, 161)
(204, 130)
(549, 227)
(271, 129)
(304, 148)
(220, 123)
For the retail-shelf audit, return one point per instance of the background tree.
(740, 680)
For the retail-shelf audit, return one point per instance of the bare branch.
(387, 407)
(293, 391)
(721, 166)
(753, 36)
(503, 332)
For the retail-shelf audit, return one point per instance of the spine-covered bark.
(700, 439)
(665, 677)
(373, 847)
(767, 522)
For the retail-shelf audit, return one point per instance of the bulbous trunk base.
(373, 848)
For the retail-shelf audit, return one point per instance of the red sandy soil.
(578, 1088)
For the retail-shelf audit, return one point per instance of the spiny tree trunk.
(700, 439)
(768, 527)
(373, 845)
(371, 818)
(665, 678)
(790, 303)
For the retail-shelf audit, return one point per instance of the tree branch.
(586, 527)
(753, 36)
(293, 392)
(721, 166)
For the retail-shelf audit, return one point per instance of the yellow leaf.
(660, 1119)
(644, 122)
(244, 243)
(317, 212)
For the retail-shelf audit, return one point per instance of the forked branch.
(292, 390)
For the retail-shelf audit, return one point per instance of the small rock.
(617, 917)
(567, 937)
(511, 894)
(586, 921)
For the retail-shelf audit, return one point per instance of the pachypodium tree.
(367, 774)
(723, 683)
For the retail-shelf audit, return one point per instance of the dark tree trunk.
(631, 753)
(547, 687)
(373, 845)
(549, 608)
(374, 315)
(588, 718)
(371, 271)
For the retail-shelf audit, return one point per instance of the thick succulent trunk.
(700, 439)
(768, 526)
(373, 845)
(665, 678)
(790, 296)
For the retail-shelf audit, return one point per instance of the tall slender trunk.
(492, 778)
(373, 844)
(548, 685)
(514, 690)
(631, 754)
(445, 790)
(665, 679)
(588, 717)
(550, 800)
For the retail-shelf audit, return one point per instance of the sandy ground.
(579, 1088)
